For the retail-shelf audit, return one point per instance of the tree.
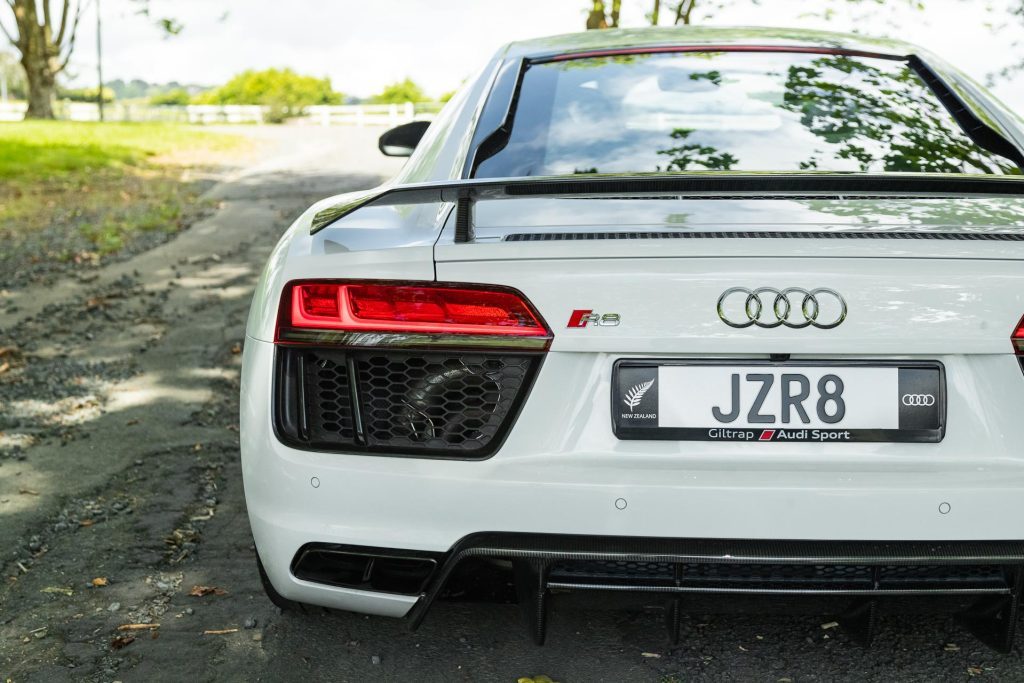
(45, 43)
(399, 93)
(284, 91)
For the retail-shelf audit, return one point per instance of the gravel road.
(120, 492)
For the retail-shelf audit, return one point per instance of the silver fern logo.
(636, 394)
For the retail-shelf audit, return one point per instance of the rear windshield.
(732, 111)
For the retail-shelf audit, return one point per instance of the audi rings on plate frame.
(780, 306)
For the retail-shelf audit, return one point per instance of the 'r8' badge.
(582, 317)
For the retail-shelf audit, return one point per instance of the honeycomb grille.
(430, 403)
(331, 400)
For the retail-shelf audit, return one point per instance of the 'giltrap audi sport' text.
(686, 313)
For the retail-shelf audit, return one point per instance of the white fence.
(324, 115)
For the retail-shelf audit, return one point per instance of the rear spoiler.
(714, 185)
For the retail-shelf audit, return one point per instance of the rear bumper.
(984, 578)
(568, 480)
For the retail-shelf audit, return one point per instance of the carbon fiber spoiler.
(710, 184)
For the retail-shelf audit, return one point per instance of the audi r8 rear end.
(680, 312)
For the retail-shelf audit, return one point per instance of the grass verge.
(79, 193)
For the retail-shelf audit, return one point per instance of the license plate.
(788, 402)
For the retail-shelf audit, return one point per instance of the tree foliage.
(173, 97)
(286, 93)
(400, 92)
(84, 94)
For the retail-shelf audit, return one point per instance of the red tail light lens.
(409, 309)
(1017, 338)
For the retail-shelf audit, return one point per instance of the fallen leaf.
(57, 589)
(122, 641)
(86, 522)
(136, 627)
(132, 422)
(4, 367)
(7, 351)
(831, 624)
(200, 591)
(654, 655)
(28, 492)
(219, 632)
(99, 581)
(236, 348)
(951, 647)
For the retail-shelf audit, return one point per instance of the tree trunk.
(42, 46)
(684, 11)
(596, 19)
(41, 86)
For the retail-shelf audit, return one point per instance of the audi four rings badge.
(917, 400)
(793, 307)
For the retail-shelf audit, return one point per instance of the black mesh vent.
(404, 402)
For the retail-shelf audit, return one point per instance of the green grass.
(32, 151)
(77, 192)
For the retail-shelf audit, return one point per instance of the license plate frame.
(625, 375)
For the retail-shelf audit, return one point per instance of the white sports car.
(679, 312)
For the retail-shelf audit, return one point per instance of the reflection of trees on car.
(682, 156)
(854, 105)
(980, 213)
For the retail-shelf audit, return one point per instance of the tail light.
(401, 314)
(1017, 338)
(397, 368)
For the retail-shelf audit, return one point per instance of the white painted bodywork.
(561, 469)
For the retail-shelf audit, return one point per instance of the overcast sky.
(363, 44)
